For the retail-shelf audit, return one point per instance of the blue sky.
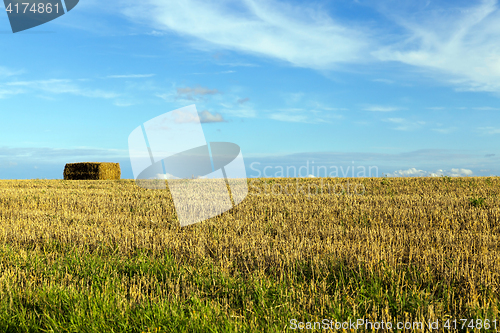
(411, 88)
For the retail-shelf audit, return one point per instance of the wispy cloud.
(485, 108)
(147, 56)
(302, 115)
(9, 92)
(445, 130)
(209, 98)
(395, 120)
(413, 172)
(293, 98)
(289, 117)
(19, 155)
(207, 117)
(453, 42)
(322, 106)
(130, 76)
(166, 96)
(62, 86)
(243, 100)
(380, 108)
(155, 33)
(6, 72)
(242, 112)
(386, 81)
(300, 35)
(237, 64)
(214, 73)
(123, 104)
(489, 130)
(191, 93)
(405, 125)
(203, 117)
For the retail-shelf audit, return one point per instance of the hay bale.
(92, 171)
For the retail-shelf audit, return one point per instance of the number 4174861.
(472, 324)
(39, 8)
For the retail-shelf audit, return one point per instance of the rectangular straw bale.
(92, 171)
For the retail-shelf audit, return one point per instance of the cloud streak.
(456, 44)
(299, 35)
(203, 117)
(405, 125)
(379, 108)
(132, 76)
(451, 42)
(207, 117)
(193, 93)
(62, 86)
(413, 172)
(5, 72)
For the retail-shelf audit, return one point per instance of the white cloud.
(123, 104)
(333, 109)
(8, 92)
(486, 108)
(293, 98)
(241, 111)
(445, 130)
(169, 176)
(455, 44)
(405, 125)
(61, 86)
(229, 104)
(155, 33)
(243, 100)
(304, 115)
(387, 81)
(291, 110)
(289, 117)
(166, 96)
(165, 176)
(459, 172)
(207, 117)
(298, 115)
(185, 117)
(5, 72)
(379, 108)
(300, 35)
(413, 172)
(396, 120)
(489, 130)
(197, 91)
(131, 76)
(203, 117)
(216, 73)
(192, 94)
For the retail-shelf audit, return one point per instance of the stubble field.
(109, 256)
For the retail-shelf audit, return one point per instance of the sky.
(363, 87)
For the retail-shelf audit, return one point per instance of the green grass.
(61, 289)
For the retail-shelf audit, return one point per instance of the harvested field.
(106, 256)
